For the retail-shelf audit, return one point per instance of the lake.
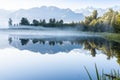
(55, 55)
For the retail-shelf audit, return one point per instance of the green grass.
(113, 36)
(114, 75)
(110, 36)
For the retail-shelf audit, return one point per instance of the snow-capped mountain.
(50, 12)
(116, 8)
(46, 13)
(40, 13)
(87, 11)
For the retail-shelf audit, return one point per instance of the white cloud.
(25, 64)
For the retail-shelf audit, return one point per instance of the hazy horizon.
(72, 4)
(9, 8)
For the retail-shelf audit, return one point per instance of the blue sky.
(72, 4)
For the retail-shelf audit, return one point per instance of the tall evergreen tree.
(94, 14)
(24, 21)
(35, 22)
(10, 22)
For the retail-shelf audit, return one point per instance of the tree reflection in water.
(24, 41)
(109, 48)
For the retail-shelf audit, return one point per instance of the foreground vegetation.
(112, 36)
(114, 75)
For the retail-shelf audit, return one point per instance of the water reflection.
(52, 45)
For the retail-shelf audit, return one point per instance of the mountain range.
(45, 12)
(87, 11)
(41, 13)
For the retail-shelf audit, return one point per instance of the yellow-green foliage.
(110, 21)
(117, 24)
(93, 22)
(118, 20)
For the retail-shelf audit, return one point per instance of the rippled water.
(55, 55)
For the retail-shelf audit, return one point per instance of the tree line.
(109, 22)
(51, 23)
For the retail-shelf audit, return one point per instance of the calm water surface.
(55, 55)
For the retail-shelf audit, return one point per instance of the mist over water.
(54, 54)
(42, 31)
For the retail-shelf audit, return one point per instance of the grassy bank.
(110, 36)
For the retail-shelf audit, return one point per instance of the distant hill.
(87, 11)
(40, 13)
(49, 12)
(46, 13)
(4, 17)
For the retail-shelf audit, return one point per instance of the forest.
(108, 22)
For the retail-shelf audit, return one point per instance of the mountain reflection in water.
(52, 45)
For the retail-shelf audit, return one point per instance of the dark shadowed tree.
(24, 21)
(117, 24)
(35, 22)
(10, 22)
(52, 22)
(61, 22)
(44, 22)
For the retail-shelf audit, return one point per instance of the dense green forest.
(109, 22)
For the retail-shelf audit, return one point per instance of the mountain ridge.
(47, 12)
(88, 10)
